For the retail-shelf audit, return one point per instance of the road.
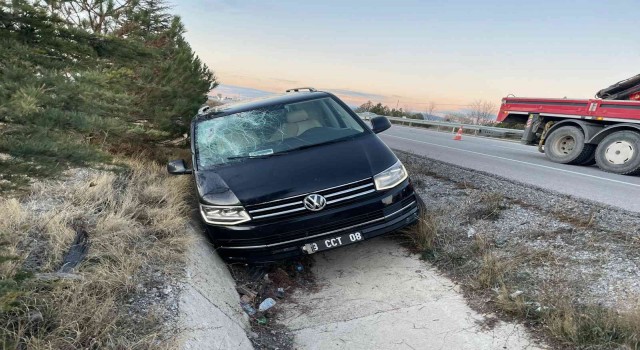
(518, 162)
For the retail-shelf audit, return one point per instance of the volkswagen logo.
(314, 202)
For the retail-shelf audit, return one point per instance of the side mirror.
(178, 167)
(380, 124)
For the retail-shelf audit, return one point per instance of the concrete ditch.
(210, 316)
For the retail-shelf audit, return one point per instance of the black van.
(294, 174)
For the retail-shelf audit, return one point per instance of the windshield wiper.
(248, 156)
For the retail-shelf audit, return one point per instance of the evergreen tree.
(71, 77)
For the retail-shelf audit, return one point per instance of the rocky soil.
(589, 249)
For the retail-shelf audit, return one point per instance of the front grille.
(291, 206)
(327, 228)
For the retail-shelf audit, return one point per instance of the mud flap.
(533, 123)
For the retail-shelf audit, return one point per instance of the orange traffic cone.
(458, 136)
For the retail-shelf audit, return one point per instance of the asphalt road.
(518, 162)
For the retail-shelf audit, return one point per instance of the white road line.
(521, 162)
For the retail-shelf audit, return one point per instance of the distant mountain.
(239, 92)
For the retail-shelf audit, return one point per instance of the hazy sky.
(451, 52)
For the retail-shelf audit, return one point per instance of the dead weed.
(135, 222)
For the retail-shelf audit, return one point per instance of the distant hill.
(240, 92)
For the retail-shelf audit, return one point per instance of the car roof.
(249, 105)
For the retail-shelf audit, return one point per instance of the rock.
(515, 294)
(5, 157)
(501, 241)
(253, 335)
(471, 232)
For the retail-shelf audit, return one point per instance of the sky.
(412, 52)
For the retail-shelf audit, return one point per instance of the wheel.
(619, 153)
(566, 145)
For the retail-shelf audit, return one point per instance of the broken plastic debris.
(250, 293)
(299, 267)
(280, 293)
(248, 309)
(266, 304)
(262, 320)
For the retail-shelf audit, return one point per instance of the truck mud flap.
(531, 128)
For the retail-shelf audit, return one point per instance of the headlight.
(390, 177)
(221, 215)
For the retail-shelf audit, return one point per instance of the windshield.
(272, 130)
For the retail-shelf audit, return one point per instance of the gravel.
(590, 248)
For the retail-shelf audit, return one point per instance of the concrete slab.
(374, 295)
(210, 314)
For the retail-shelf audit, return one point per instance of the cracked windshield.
(273, 130)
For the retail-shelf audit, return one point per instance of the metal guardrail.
(482, 130)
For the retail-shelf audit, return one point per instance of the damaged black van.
(294, 174)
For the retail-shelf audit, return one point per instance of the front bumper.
(276, 240)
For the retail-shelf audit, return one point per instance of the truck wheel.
(619, 153)
(566, 145)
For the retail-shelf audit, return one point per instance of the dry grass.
(134, 221)
(487, 206)
(424, 233)
(499, 275)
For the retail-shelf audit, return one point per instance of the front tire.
(566, 145)
(619, 153)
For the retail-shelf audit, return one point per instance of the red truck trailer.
(604, 131)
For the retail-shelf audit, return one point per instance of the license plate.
(333, 242)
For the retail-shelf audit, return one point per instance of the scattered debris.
(77, 252)
(267, 283)
(262, 320)
(266, 304)
(250, 310)
(244, 290)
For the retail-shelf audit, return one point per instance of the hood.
(259, 180)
